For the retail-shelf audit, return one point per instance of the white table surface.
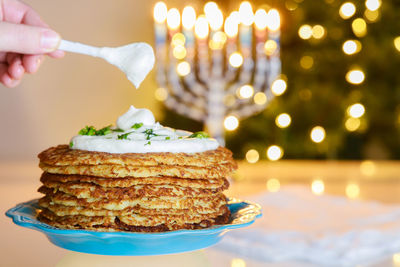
(24, 247)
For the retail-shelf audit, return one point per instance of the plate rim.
(48, 229)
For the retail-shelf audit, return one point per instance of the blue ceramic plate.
(243, 213)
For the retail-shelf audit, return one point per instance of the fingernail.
(49, 40)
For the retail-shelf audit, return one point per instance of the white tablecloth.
(325, 230)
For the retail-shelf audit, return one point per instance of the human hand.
(24, 40)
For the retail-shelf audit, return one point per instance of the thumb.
(25, 39)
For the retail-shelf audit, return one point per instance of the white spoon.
(135, 60)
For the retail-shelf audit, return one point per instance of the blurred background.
(337, 96)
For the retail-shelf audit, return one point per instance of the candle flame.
(274, 20)
(209, 7)
(231, 24)
(246, 14)
(261, 19)
(160, 12)
(213, 15)
(201, 27)
(173, 19)
(215, 19)
(188, 17)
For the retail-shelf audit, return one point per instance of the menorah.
(216, 75)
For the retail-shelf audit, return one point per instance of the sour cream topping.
(137, 132)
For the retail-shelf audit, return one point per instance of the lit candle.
(261, 23)
(231, 29)
(188, 21)
(246, 17)
(160, 16)
(173, 21)
(202, 30)
(274, 24)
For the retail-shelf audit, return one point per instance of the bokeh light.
(372, 4)
(173, 18)
(371, 16)
(178, 39)
(179, 52)
(215, 19)
(274, 20)
(260, 98)
(188, 17)
(347, 10)
(161, 94)
(183, 68)
(396, 258)
(278, 87)
(261, 19)
(274, 153)
(201, 27)
(160, 12)
(231, 25)
(236, 59)
(209, 7)
(396, 42)
(231, 123)
(305, 32)
(283, 120)
(351, 47)
(252, 156)
(246, 91)
(352, 191)
(246, 14)
(318, 32)
(218, 40)
(359, 27)
(368, 168)
(318, 187)
(356, 110)
(270, 47)
(273, 185)
(306, 62)
(352, 124)
(237, 262)
(317, 134)
(355, 76)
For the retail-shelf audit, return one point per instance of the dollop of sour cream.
(137, 132)
(135, 60)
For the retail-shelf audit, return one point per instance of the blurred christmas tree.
(340, 62)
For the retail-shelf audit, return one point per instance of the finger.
(3, 57)
(31, 63)
(5, 77)
(18, 12)
(57, 54)
(26, 39)
(15, 68)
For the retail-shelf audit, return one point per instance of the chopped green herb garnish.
(148, 143)
(118, 130)
(199, 135)
(124, 136)
(167, 138)
(71, 144)
(90, 130)
(149, 133)
(180, 137)
(137, 125)
(104, 131)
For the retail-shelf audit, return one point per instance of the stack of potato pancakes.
(139, 192)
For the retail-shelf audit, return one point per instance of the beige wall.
(65, 95)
